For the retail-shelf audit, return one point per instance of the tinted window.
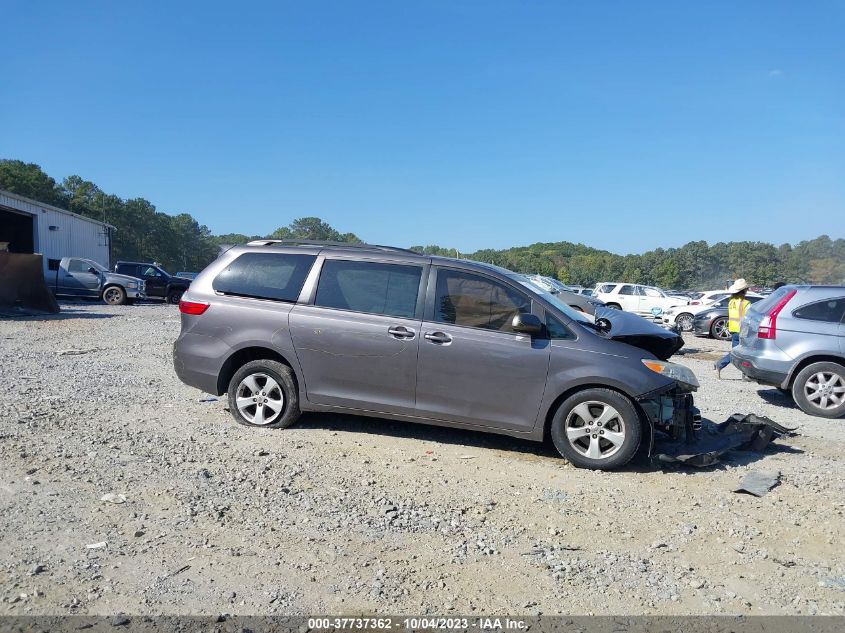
(369, 287)
(78, 266)
(651, 292)
(265, 276)
(476, 301)
(556, 329)
(626, 290)
(150, 271)
(830, 310)
(607, 288)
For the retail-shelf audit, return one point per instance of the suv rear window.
(830, 310)
(265, 276)
(371, 287)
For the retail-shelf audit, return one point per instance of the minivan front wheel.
(597, 428)
(819, 389)
(263, 393)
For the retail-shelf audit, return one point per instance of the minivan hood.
(629, 328)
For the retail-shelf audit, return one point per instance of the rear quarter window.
(829, 310)
(273, 276)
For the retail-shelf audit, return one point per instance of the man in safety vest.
(737, 306)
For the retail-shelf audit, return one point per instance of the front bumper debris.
(711, 441)
(680, 436)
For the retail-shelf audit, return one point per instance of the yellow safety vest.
(736, 308)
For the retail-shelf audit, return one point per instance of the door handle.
(441, 338)
(400, 331)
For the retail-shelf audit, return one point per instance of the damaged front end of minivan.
(671, 412)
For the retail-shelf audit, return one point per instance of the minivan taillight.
(192, 307)
(768, 327)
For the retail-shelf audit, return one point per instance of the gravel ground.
(346, 515)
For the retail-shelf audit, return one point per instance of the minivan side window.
(276, 276)
(829, 310)
(476, 301)
(371, 287)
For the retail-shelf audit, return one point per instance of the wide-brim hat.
(738, 286)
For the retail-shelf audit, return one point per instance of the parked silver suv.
(378, 331)
(794, 339)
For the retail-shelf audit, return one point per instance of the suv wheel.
(719, 329)
(613, 306)
(174, 296)
(597, 428)
(264, 393)
(819, 389)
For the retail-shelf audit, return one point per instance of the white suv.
(636, 298)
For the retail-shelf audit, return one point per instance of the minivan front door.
(473, 368)
(357, 344)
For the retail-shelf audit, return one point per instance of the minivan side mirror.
(525, 323)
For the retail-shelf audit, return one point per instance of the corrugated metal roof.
(19, 203)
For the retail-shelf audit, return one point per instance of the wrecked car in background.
(285, 327)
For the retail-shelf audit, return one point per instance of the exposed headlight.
(673, 371)
(131, 284)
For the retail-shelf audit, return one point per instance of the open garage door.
(18, 229)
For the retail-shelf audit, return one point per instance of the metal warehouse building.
(30, 226)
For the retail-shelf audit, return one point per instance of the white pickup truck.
(77, 277)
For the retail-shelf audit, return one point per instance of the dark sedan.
(713, 321)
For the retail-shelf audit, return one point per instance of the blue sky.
(622, 125)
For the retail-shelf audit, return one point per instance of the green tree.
(29, 180)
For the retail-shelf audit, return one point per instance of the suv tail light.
(768, 327)
(192, 307)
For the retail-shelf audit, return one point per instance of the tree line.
(180, 242)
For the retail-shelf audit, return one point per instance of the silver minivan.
(794, 339)
(378, 331)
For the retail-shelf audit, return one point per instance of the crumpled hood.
(632, 329)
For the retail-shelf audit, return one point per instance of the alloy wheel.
(720, 329)
(595, 429)
(825, 390)
(684, 321)
(260, 399)
(113, 296)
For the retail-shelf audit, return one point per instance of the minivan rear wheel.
(819, 389)
(597, 428)
(263, 393)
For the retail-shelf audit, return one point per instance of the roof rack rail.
(290, 242)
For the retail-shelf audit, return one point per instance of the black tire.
(803, 389)
(684, 321)
(625, 421)
(114, 295)
(285, 386)
(613, 306)
(175, 295)
(719, 329)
